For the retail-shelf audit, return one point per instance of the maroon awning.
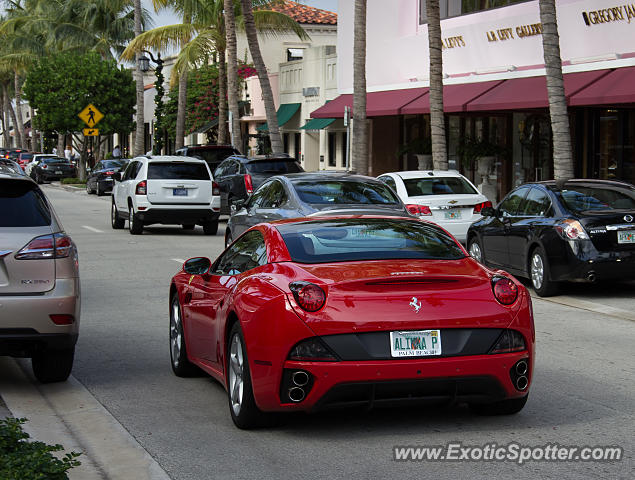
(615, 88)
(530, 92)
(455, 97)
(378, 104)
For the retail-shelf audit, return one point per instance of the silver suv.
(167, 190)
(39, 281)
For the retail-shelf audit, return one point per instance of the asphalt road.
(583, 391)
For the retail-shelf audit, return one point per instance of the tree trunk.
(61, 144)
(5, 117)
(232, 74)
(562, 155)
(139, 140)
(437, 119)
(14, 120)
(18, 110)
(181, 111)
(263, 77)
(360, 125)
(222, 99)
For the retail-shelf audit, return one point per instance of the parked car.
(100, 179)
(305, 194)
(35, 160)
(9, 166)
(238, 176)
(212, 154)
(13, 153)
(550, 232)
(446, 198)
(39, 281)
(167, 190)
(52, 168)
(24, 158)
(315, 313)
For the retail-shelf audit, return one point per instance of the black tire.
(89, 190)
(53, 365)
(246, 414)
(539, 273)
(100, 192)
(181, 366)
(475, 249)
(134, 224)
(38, 179)
(115, 220)
(228, 238)
(210, 228)
(188, 226)
(504, 407)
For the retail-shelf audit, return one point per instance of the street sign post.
(91, 132)
(90, 115)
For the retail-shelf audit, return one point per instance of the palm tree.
(232, 72)
(437, 119)
(562, 155)
(360, 128)
(139, 142)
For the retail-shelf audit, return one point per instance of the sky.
(168, 18)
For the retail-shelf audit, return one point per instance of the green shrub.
(72, 181)
(24, 460)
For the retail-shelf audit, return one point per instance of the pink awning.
(615, 88)
(455, 97)
(378, 104)
(530, 92)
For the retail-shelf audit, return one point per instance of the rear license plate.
(626, 236)
(179, 192)
(453, 214)
(422, 343)
(58, 172)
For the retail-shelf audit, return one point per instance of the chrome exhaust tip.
(300, 378)
(591, 277)
(296, 394)
(521, 367)
(522, 382)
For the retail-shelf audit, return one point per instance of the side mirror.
(117, 176)
(237, 205)
(488, 212)
(197, 266)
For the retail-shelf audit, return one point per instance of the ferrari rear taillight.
(215, 189)
(509, 341)
(419, 210)
(308, 295)
(480, 206)
(109, 173)
(249, 186)
(311, 350)
(571, 230)
(505, 290)
(142, 188)
(58, 245)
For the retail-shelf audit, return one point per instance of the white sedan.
(446, 198)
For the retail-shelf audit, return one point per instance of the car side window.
(537, 203)
(128, 173)
(509, 206)
(390, 182)
(274, 196)
(247, 253)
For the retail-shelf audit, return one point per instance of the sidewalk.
(66, 413)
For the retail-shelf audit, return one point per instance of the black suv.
(212, 154)
(238, 176)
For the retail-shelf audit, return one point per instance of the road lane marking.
(179, 260)
(92, 229)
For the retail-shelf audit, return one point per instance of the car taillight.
(215, 189)
(480, 206)
(249, 186)
(308, 295)
(509, 341)
(109, 173)
(63, 319)
(45, 166)
(419, 210)
(311, 350)
(142, 188)
(58, 245)
(571, 230)
(505, 290)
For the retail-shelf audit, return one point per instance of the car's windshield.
(437, 186)
(580, 198)
(177, 171)
(278, 167)
(344, 192)
(55, 160)
(344, 240)
(113, 164)
(212, 157)
(22, 205)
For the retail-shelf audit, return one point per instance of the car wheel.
(100, 192)
(53, 365)
(504, 407)
(188, 226)
(134, 224)
(539, 274)
(116, 222)
(228, 238)
(38, 179)
(89, 191)
(210, 228)
(476, 251)
(242, 405)
(181, 366)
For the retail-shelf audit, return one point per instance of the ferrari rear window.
(177, 171)
(346, 240)
(22, 204)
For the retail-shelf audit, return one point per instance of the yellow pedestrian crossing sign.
(90, 115)
(91, 132)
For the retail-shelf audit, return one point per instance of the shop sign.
(621, 13)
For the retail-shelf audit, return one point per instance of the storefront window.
(532, 156)
(454, 8)
(614, 145)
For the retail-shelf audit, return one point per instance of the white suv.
(167, 190)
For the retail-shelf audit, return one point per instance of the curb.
(66, 413)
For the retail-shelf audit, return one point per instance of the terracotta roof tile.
(305, 14)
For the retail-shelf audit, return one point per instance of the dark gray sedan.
(309, 194)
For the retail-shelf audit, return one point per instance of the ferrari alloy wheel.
(134, 224)
(242, 405)
(116, 222)
(88, 189)
(181, 366)
(475, 250)
(504, 407)
(539, 274)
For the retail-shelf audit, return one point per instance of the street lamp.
(144, 63)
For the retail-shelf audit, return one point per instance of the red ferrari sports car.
(316, 313)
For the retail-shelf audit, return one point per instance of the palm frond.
(160, 38)
(270, 23)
